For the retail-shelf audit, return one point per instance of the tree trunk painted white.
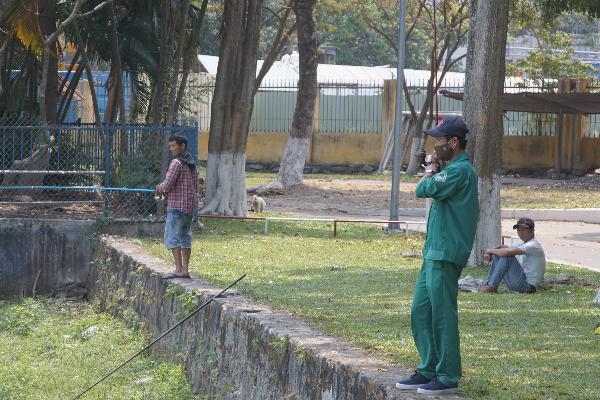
(226, 199)
(484, 85)
(291, 170)
(231, 109)
(292, 165)
(415, 148)
(488, 227)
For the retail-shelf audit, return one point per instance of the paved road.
(574, 243)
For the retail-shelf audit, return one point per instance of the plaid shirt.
(181, 183)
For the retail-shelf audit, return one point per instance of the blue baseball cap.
(450, 126)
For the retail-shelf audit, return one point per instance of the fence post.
(107, 160)
(315, 125)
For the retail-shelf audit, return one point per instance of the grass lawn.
(48, 351)
(359, 285)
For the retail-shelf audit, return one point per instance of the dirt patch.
(343, 197)
(70, 211)
(359, 198)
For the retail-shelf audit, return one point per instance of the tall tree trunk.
(232, 108)
(484, 85)
(90, 78)
(115, 81)
(48, 18)
(292, 164)
(3, 71)
(184, 6)
(175, 63)
(156, 112)
(190, 53)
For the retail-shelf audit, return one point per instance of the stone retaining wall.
(50, 257)
(234, 348)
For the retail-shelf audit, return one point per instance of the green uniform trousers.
(434, 321)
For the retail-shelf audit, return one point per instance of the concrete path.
(570, 243)
(573, 243)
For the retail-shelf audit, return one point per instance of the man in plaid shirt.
(181, 186)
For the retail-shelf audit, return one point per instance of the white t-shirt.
(533, 261)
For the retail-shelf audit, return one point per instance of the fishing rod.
(160, 337)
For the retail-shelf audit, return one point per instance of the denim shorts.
(178, 230)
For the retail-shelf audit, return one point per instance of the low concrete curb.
(587, 215)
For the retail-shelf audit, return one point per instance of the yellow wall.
(517, 151)
(266, 147)
(528, 151)
(590, 151)
(346, 149)
(325, 148)
(203, 145)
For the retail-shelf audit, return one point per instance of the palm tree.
(21, 41)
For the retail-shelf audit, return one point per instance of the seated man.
(521, 265)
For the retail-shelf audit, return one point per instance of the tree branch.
(278, 43)
(414, 22)
(95, 9)
(189, 52)
(389, 39)
(72, 17)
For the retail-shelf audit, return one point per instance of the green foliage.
(359, 285)
(281, 344)
(552, 59)
(53, 350)
(68, 156)
(141, 169)
(188, 299)
(524, 15)
(578, 23)
(339, 24)
(20, 318)
(553, 8)
(301, 353)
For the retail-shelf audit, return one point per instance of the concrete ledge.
(128, 228)
(412, 212)
(587, 215)
(234, 348)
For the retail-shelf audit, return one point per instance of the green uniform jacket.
(454, 211)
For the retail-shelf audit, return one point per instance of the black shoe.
(435, 387)
(415, 381)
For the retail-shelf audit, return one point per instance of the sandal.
(175, 276)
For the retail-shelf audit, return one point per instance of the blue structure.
(101, 87)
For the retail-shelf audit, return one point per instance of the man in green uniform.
(450, 234)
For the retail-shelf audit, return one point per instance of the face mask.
(444, 152)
